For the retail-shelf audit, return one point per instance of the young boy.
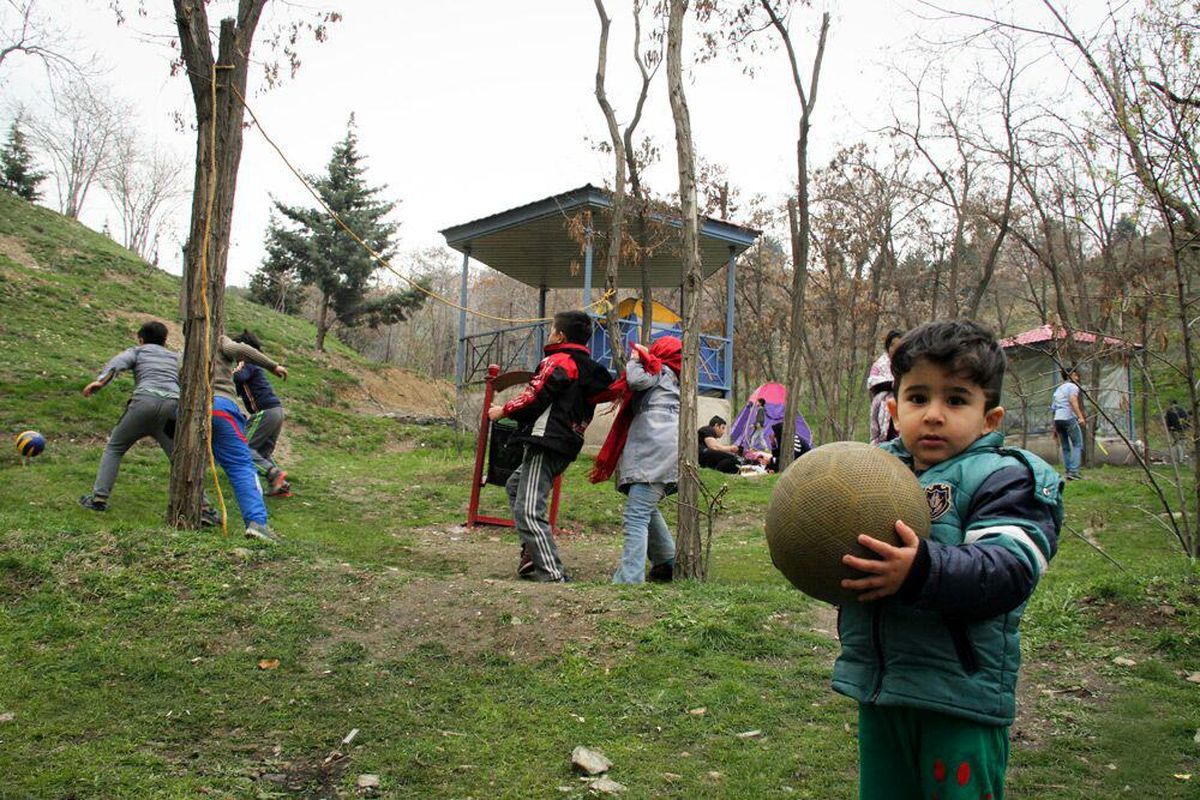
(552, 411)
(266, 418)
(229, 446)
(931, 651)
(149, 412)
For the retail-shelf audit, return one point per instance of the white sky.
(469, 107)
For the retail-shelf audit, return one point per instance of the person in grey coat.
(149, 412)
(643, 446)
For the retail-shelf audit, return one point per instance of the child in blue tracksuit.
(229, 444)
(266, 418)
(931, 651)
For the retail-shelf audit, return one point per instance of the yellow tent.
(632, 307)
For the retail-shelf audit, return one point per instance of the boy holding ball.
(931, 651)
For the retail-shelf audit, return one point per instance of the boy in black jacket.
(553, 411)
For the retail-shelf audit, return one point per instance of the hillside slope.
(71, 297)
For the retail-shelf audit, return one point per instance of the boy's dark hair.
(1067, 372)
(892, 336)
(247, 337)
(576, 326)
(153, 332)
(965, 348)
(715, 421)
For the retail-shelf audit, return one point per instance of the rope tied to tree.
(208, 389)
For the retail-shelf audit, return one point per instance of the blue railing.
(517, 348)
(712, 351)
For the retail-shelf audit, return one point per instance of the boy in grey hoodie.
(149, 412)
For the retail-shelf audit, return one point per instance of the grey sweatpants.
(145, 415)
(528, 491)
(262, 434)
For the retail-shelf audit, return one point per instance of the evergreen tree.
(316, 249)
(277, 284)
(17, 172)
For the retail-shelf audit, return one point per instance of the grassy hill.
(143, 662)
(71, 298)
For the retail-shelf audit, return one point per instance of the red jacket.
(556, 405)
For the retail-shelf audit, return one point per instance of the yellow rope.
(208, 389)
(599, 304)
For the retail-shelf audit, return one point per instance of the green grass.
(131, 651)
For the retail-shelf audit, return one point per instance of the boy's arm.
(119, 363)
(553, 375)
(1010, 536)
(1077, 407)
(636, 376)
(239, 351)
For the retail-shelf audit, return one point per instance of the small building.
(1035, 361)
(535, 244)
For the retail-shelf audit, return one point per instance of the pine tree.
(17, 172)
(316, 249)
(277, 284)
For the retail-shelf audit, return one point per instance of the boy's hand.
(887, 573)
(281, 371)
(635, 352)
(495, 412)
(92, 388)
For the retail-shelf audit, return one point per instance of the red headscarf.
(666, 350)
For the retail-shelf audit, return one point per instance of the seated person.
(799, 446)
(713, 454)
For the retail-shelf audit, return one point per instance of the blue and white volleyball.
(30, 443)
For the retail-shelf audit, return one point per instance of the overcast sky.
(469, 107)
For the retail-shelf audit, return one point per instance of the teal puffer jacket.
(943, 655)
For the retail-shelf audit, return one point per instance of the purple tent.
(744, 430)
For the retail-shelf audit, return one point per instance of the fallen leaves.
(268, 663)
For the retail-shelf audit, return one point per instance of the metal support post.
(730, 286)
(460, 367)
(587, 272)
(541, 329)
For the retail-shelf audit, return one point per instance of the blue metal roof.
(531, 243)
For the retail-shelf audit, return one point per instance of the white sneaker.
(258, 530)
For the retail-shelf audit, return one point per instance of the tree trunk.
(218, 153)
(688, 552)
(617, 213)
(322, 322)
(800, 238)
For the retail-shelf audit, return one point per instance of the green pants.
(911, 754)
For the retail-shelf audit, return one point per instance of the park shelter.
(1035, 359)
(534, 244)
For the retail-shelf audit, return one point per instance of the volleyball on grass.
(30, 443)
(825, 499)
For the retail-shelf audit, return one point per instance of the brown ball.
(825, 499)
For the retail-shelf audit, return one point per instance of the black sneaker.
(93, 503)
(662, 573)
(210, 517)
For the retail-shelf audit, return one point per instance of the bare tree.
(616, 225)
(145, 186)
(79, 135)
(26, 30)
(1140, 72)
(689, 554)
(798, 217)
(218, 82)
